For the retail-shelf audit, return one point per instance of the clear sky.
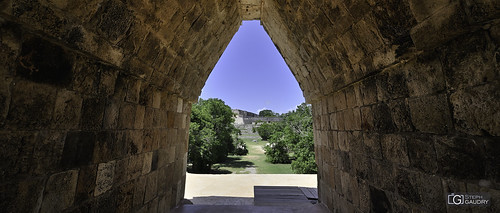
(252, 75)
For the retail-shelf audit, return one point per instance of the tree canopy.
(267, 113)
(210, 134)
(292, 136)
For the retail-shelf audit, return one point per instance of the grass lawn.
(254, 162)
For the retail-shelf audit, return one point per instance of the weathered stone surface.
(86, 183)
(404, 97)
(422, 154)
(78, 149)
(59, 192)
(104, 178)
(31, 106)
(477, 110)
(431, 114)
(394, 149)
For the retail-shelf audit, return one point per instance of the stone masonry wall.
(405, 98)
(95, 98)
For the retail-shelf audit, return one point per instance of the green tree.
(210, 134)
(265, 131)
(276, 150)
(293, 135)
(267, 113)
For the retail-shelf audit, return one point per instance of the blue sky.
(252, 75)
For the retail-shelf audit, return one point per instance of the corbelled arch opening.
(404, 112)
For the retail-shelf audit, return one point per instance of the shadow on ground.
(231, 162)
(236, 162)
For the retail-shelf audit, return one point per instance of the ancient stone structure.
(95, 97)
(243, 117)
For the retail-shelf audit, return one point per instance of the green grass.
(256, 159)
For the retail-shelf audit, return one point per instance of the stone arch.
(404, 112)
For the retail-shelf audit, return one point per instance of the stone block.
(44, 62)
(449, 22)
(422, 154)
(391, 85)
(352, 46)
(346, 185)
(31, 106)
(394, 149)
(147, 161)
(140, 188)
(146, 95)
(23, 196)
(325, 122)
(476, 110)
(133, 89)
(67, 110)
(151, 186)
(156, 99)
(121, 171)
(47, 152)
(107, 80)
(431, 192)
(78, 149)
(135, 142)
(361, 166)
(125, 197)
(472, 64)
(400, 113)
(126, 117)
(59, 192)
(104, 178)
(340, 100)
(86, 183)
(109, 145)
(380, 200)
(460, 158)
(368, 90)
(93, 114)
(368, 34)
(423, 9)
(424, 76)
(333, 121)
(383, 175)
(382, 118)
(148, 140)
(407, 186)
(111, 115)
(480, 11)
(372, 144)
(366, 118)
(350, 97)
(431, 114)
(113, 19)
(394, 21)
(148, 117)
(135, 164)
(342, 141)
(154, 161)
(139, 117)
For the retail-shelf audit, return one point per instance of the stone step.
(317, 208)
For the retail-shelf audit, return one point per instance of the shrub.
(240, 147)
(265, 130)
(276, 151)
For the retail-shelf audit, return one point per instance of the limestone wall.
(94, 110)
(405, 98)
(95, 98)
